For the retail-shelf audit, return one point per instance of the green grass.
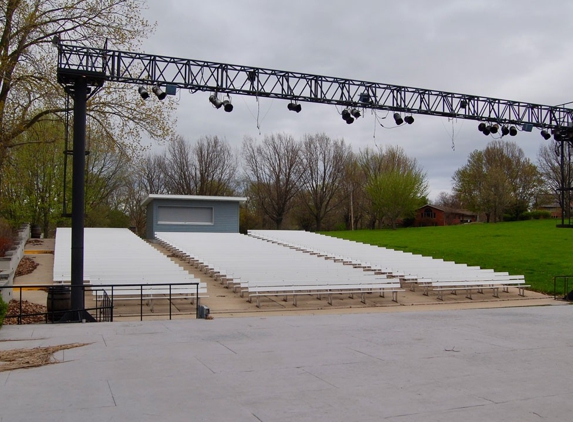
(536, 249)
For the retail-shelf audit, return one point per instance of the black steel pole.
(78, 195)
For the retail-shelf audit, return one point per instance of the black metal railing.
(563, 280)
(103, 300)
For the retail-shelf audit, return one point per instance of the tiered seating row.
(413, 270)
(259, 268)
(119, 257)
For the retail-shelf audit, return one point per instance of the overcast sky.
(510, 49)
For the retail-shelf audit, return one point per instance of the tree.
(32, 179)
(215, 168)
(497, 180)
(29, 93)
(208, 167)
(396, 184)
(553, 175)
(324, 162)
(273, 171)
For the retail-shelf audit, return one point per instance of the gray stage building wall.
(192, 214)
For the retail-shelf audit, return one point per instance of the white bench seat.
(479, 286)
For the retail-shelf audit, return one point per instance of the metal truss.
(99, 65)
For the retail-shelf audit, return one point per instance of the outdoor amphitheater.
(301, 327)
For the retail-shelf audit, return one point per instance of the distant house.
(432, 215)
(554, 209)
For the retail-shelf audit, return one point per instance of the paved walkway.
(470, 365)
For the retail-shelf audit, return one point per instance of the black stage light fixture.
(494, 128)
(355, 113)
(398, 119)
(546, 135)
(227, 106)
(364, 98)
(487, 130)
(463, 104)
(512, 131)
(347, 117)
(409, 119)
(504, 131)
(481, 127)
(158, 92)
(143, 92)
(215, 101)
(294, 107)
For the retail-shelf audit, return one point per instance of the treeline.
(312, 183)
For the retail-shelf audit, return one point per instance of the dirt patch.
(26, 266)
(32, 358)
(34, 242)
(27, 308)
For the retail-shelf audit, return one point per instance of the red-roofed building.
(432, 215)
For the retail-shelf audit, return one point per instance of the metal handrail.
(565, 279)
(104, 294)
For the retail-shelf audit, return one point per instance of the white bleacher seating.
(260, 268)
(413, 270)
(121, 258)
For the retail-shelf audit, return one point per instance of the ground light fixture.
(159, 93)
(294, 107)
(143, 92)
(398, 119)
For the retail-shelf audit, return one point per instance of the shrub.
(3, 310)
(535, 215)
(5, 237)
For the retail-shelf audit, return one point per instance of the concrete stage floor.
(505, 364)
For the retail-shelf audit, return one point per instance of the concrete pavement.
(454, 365)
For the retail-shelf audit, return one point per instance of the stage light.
(294, 107)
(364, 97)
(463, 104)
(409, 119)
(546, 135)
(158, 92)
(227, 106)
(398, 119)
(215, 101)
(486, 131)
(481, 127)
(504, 131)
(143, 92)
(512, 131)
(355, 113)
(347, 117)
(494, 128)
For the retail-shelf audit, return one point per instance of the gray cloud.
(511, 49)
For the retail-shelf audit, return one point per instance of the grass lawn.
(536, 249)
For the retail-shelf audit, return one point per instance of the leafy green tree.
(497, 180)
(396, 184)
(29, 93)
(32, 180)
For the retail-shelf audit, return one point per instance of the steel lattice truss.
(100, 65)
